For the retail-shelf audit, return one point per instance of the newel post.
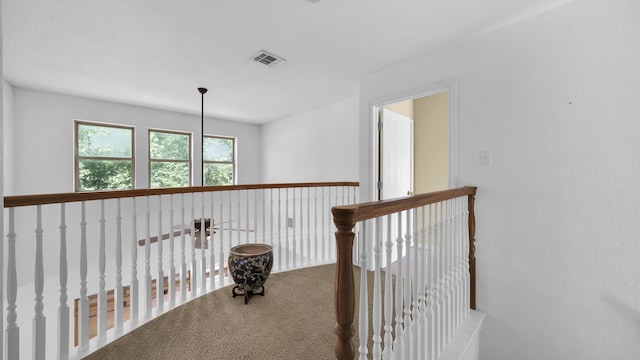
(472, 248)
(344, 288)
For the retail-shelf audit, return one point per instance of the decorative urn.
(249, 267)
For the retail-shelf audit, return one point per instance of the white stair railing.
(427, 263)
(93, 280)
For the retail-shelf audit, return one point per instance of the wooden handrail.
(57, 198)
(345, 219)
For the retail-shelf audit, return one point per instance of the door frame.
(450, 86)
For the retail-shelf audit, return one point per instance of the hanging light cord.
(202, 91)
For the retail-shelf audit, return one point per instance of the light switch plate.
(486, 158)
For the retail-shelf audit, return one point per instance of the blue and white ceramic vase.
(249, 267)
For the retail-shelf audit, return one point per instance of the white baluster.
(133, 295)
(407, 280)
(271, 218)
(160, 242)
(294, 229)
(316, 249)
(102, 294)
(119, 295)
(299, 225)
(83, 311)
(434, 268)
(212, 261)
(203, 258)
(221, 251)
(399, 333)
(172, 265)
(304, 259)
(355, 195)
(147, 263)
(346, 195)
(422, 281)
(308, 226)
(388, 296)
(457, 265)
(248, 225)
(13, 331)
(286, 227)
(440, 278)
(183, 258)
(330, 225)
(363, 323)
(263, 235)
(203, 245)
(194, 269)
(465, 252)
(377, 338)
(255, 215)
(430, 326)
(238, 208)
(463, 259)
(230, 221)
(415, 297)
(279, 229)
(63, 308)
(454, 266)
(448, 272)
(39, 320)
(452, 229)
(324, 239)
(437, 320)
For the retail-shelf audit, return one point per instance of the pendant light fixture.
(202, 92)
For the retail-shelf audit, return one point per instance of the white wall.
(7, 135)
(43, 138)
(317, 145)
(556, 98)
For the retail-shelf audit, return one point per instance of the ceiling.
(156, 53)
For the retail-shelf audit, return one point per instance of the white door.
(396, 171)
(396, 153)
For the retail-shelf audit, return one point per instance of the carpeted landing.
(293, 320)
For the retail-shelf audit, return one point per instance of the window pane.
(169, 174)
(168, 146)
(105, 175)
(218, 174)
(104, 141)
(218, 149)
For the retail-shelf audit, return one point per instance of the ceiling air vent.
(266, 58)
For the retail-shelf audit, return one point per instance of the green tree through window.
(219, 160)
(104, 157)
(169, 159)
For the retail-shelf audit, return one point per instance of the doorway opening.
(416, 141)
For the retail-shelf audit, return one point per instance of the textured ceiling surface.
(157, 53)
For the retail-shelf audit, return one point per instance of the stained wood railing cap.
(347, 214)
(57, 198)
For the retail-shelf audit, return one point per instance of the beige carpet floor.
(293, 320)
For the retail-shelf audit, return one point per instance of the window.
(219, 160)
(169, 159)
(104, 157)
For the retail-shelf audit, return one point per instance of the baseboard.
(465, 344)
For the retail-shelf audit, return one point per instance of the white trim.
(447, 85)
